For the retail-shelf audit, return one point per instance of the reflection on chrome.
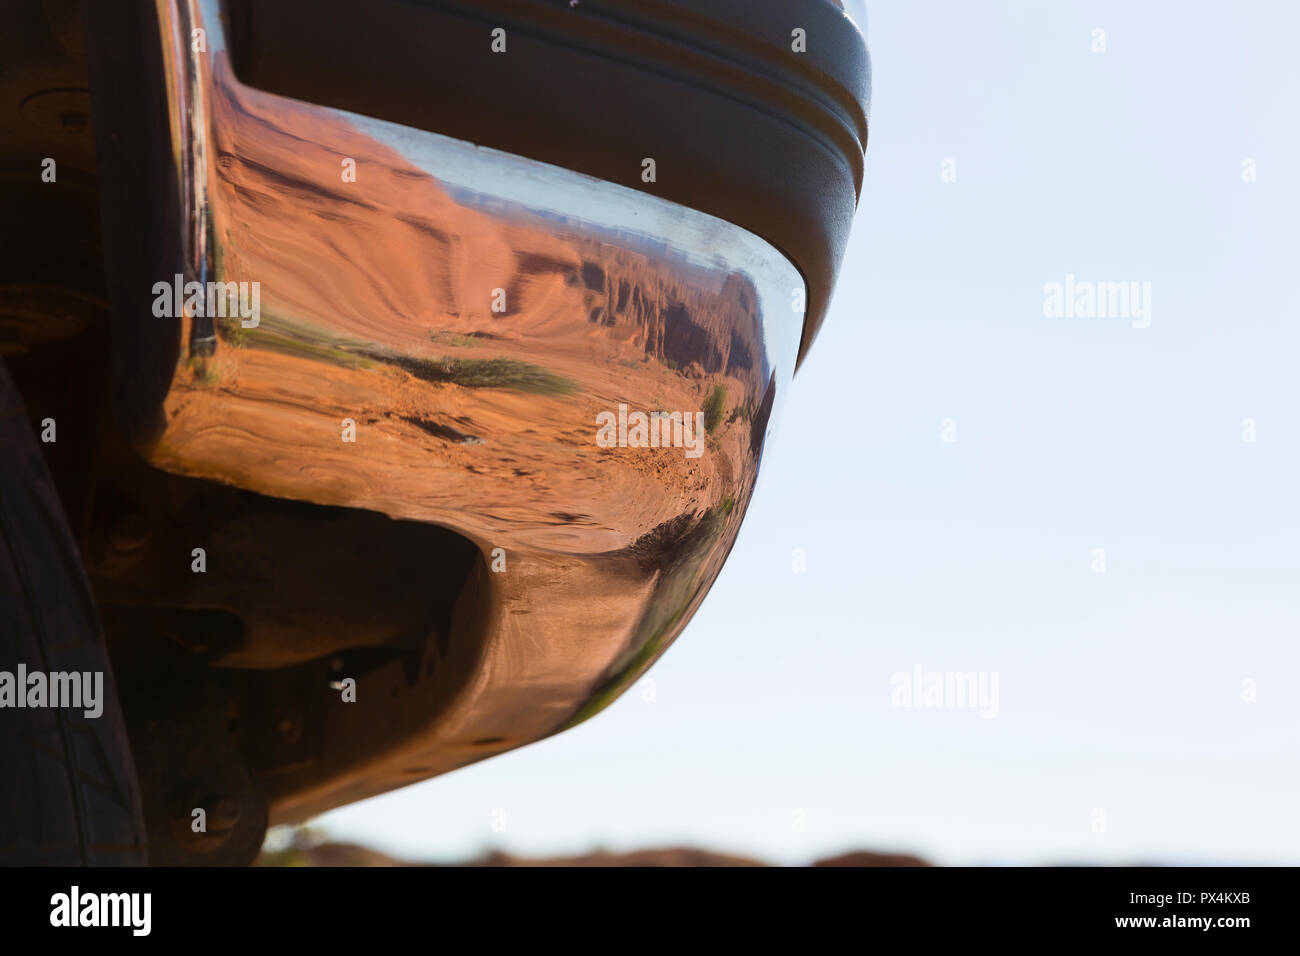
(442, 328)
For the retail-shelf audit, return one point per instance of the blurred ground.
(308, 848)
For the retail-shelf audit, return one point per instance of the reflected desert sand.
(377, 304)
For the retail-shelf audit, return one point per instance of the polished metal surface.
(471, 319)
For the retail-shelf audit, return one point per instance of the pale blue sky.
(1119, 692)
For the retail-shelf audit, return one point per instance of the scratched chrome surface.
(376, 305)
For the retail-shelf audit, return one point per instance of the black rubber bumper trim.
(739, 125)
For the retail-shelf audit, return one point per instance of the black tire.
(68, 789)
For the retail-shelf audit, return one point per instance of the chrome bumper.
(441, 332)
